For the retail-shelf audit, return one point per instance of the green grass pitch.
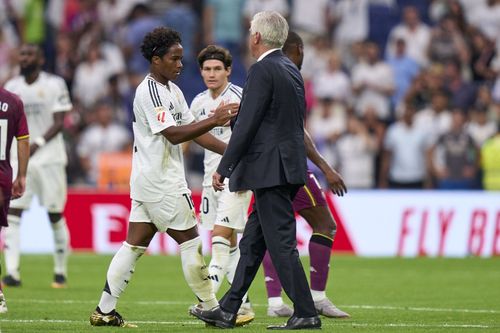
(382, 295)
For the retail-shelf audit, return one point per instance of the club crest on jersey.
(160, 113)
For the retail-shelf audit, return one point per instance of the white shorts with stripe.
(171, 212)
(224, 208)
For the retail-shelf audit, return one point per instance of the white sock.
(318, 295)
(119, 274)
(219, 263)
(61, 246)
(12, 245)
(234, 257)
(196, 273)
(275, 301)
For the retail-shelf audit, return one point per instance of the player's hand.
(217, 182)
(33, 148)
(336, 183)
(225, 112)
(18, 187)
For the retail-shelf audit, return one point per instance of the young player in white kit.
(161, 200)
(46, 99)
(224, 212)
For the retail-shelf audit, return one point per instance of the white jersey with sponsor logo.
(157, 164)
(201, 106)
(41, 99)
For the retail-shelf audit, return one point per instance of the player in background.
(12, 124)
(161, 200)
(310, 203)
(46, 99)
(224, 212)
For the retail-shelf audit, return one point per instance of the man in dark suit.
(266, 154)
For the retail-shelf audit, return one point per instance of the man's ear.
(156, 60)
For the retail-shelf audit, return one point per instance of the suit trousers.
(271, 226)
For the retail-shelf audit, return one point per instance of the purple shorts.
(4, 208)
(310, 195)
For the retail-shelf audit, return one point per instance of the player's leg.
(3, 221)
(12, 248)
(178, 218)
(122, 267)
(61, 249)
(319, 217)
(219, 263)
(276, 306)
(12, 236)
(52, 195)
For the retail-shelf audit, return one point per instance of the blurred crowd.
(401, 93)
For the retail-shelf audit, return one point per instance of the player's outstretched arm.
(210, 142)
(179, 134)
(23, 155)
(53, 130)
(335, 181)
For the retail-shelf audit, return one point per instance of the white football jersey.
(41, 99)
(157, 164)
(201, 106)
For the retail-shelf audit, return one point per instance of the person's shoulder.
(234, 91)
(200, 98)
(49, 78)
(13, 82)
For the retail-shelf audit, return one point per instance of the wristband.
(40, 141)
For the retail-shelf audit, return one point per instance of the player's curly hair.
(217, 53)
(158, 42)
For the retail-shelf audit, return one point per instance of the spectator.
(252, 7)
(104, 136)
(310, 17)
(462, 93)
(405, 70)
(436, 119)
(140, 22)
(415, 33)
(447, 43)
(91, 78)
(327, 121)
(350, 20)
(453, 158)
(332, 83)
(487, 18)
(373, 83)
(403, 163)
(355, 155)
(479, 127)
(482, 55)
(490, 162)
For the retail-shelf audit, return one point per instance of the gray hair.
(272, 27)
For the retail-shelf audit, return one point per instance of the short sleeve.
(187, 115)
(157, 114)
(62, 102)
(195, 109)
(22, 131)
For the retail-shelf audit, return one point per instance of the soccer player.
(310, 203)
(12, 124)
(225, 213)
(46, 99)
(161, 200)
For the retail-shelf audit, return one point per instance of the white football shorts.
(48, 183)
(228, 209)
(171, 212)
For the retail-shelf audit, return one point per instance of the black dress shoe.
(215, 317)
(296, 323)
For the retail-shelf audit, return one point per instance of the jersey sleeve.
(62, 102)
(22, 131)
(195, 109)
(155, 106)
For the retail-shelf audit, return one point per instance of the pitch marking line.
(353, 306)
(196, 323)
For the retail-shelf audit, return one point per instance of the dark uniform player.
(12, 124)
(310, 203)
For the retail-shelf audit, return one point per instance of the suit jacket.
(267, 148)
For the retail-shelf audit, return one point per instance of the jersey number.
(204, 206)
(3, 139)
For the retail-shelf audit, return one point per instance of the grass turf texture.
(382, 295)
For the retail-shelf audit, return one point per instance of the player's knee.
(55, 217)
(328, 229)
